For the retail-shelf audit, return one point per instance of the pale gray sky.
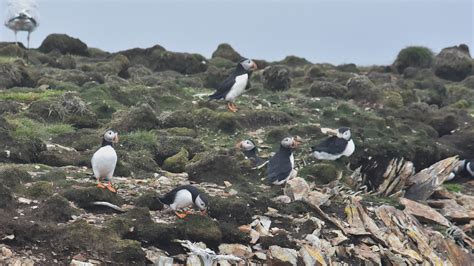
(361, 32)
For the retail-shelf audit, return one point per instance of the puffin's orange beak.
(204, 212)
(238, 146)
(116, 139)
(253, 66)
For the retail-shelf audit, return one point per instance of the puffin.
(185, 196)
(281, 165)
(104, 160)
(334, 147)
(465, 169)
(249, 149)
(235, 84)
(22, 16)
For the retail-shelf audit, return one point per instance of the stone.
(224, 50)
(140, 117)
(14, 75)
(80, 263)
(317, 198)
(282, 256)
(423, 212)
(361, 88)
(276, 78)
(6, 252)
(296, 188)
(327, 89)
(193, 260)
(238, 250)
(177, 162)
(452, 210)
(311, 256)
(453, 63)
(63, 43)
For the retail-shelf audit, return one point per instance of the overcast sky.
(350, 31)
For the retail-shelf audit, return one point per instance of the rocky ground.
(377, 207)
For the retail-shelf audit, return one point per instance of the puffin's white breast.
(238, 87)
(325, 156)
(350, 147)
(182, 199)
(104, 161)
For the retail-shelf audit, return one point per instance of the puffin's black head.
(291, 142)
(246, 145)
(344, 132)
(248, 65)
(201, 202)
(110, 136)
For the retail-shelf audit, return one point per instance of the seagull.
(22, 15)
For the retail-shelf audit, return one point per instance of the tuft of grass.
(25, 128)
(29, 96)
(414, 56)
(139, 140)
(6, 59)
(453, 187)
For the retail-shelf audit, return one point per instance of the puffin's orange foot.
(181, 215)
(231, 106)
(111, 188)
(100, 185)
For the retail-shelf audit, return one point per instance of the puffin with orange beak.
(336, 146)
(281, 165)
(104, 160)
(249, 149)
(235, 84)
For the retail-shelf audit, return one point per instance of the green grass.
(25, 128)
(6, 59)
(29, 96)
(139, 140)
(453, 187)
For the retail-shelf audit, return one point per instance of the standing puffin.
(104, 160)
(465, 169)
(185, 196)
(281, 165)
(249, 149)
(334, 147)
(235, 84)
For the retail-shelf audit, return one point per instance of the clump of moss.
(11, 176)
(200, 228)
(25, 128)
(139, 140)
(413, 56)
(83, 197)
(321, 173)
(29, 96)
(149, 200)
(177, 162)
(453, 187)
(56, 209)
(393, 99)
(40, 189)
(6, 197)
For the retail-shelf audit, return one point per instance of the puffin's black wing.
(248, 82)
(279, 167)
(332, 145)
(224, 88)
